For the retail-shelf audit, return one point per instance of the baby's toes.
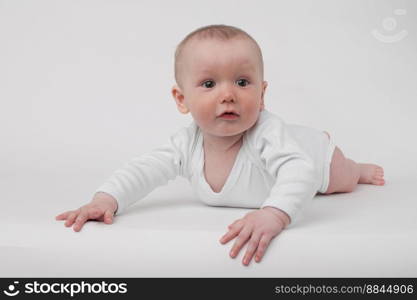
(378, 179)
(379, 182)
(379, 170)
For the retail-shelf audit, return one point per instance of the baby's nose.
(227, 94)
(228, 98)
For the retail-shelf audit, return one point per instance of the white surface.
(77, 76)
(370, 232)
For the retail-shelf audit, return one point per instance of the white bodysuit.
(280, 165)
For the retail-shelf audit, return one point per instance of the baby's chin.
(224, 132)
(226, 128)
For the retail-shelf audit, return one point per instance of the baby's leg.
(345, 174)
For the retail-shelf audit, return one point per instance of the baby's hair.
(221, 32)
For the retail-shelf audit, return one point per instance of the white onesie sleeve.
(285, 160)
(138, 177)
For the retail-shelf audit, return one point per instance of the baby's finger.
(63, 216)
(108, 217)
(80, 220)
(234, 223)
(241, 239)
(231, 234)
(71, 218)
(263, 244)
(252, 245)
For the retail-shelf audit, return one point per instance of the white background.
(85, 86)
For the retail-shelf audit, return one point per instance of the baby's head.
(219, 68)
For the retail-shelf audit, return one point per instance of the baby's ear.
(264, 85)
(179, 99)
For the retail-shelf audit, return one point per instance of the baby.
(235, 152)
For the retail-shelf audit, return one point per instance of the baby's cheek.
(206, 115)
(251, 117)
(203, 120)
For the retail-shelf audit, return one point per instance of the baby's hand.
(101, 208)
(260, 226)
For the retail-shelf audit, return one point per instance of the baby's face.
(219, 76)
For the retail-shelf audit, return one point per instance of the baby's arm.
(295, 184)
(132, 182)
(142, 175)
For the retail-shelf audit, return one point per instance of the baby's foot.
(371, 174)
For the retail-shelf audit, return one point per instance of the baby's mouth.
(229, 116)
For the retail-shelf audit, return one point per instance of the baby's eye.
(242, 82)
(209, 84)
